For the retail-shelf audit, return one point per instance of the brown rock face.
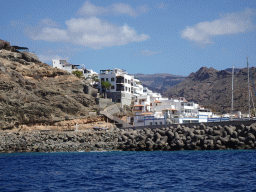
(5, 45)
(34, 92)
(212, 88)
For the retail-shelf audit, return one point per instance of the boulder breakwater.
(200, 137)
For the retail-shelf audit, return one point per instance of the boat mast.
(248, 88)
(232, 92)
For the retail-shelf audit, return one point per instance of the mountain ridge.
(212, 88)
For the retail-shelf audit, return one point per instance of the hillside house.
(64, 65)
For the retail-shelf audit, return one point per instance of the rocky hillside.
(212, 88)
(159, 82)
(33, 92)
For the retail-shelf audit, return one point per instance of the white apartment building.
(152, 109)
(121, 89)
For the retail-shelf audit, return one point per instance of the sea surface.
(227, 170)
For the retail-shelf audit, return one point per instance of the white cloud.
(49, 22)
(89, 9)
(148, 53)
(90, 32)
(121, 8)
(227, 24)
(51, 34)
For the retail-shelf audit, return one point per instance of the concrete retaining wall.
(90, 90)
(248, 122)
(103, 103)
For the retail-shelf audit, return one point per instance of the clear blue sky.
(169, 36)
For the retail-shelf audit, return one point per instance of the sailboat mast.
(248, 88)
(232, 93)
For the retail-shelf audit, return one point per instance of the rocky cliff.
(212, 88)
(33, 92)
(159, 82)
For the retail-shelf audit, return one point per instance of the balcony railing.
(120, 89)
(119, 81)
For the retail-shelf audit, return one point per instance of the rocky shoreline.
(199, 137)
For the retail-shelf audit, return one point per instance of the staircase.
(117, 120)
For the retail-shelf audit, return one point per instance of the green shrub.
(77, 73)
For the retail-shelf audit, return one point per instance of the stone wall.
(103, 103)
(113, 109)
(169, 138)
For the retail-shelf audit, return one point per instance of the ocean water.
(228, 170)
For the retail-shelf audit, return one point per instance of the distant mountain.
(235, 69)
(159, 82)
(212, 88)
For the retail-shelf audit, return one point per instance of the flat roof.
(147, 113)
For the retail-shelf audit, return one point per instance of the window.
(187, 104)
(129, 89)
(155, 123)
(161, 123)
(106, 79)
(102, 79)
(112, 87)
(150, 123)
(129, 82)
(112, 79)
(126, 89)
(125, 80)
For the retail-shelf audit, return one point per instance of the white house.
(62, 64)
(90, 76)
(121, 89)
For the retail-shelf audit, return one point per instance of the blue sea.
(228, 170)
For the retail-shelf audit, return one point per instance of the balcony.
(119, 80)
(119, 88)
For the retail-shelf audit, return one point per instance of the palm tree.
(93, 79)
(105, 85)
